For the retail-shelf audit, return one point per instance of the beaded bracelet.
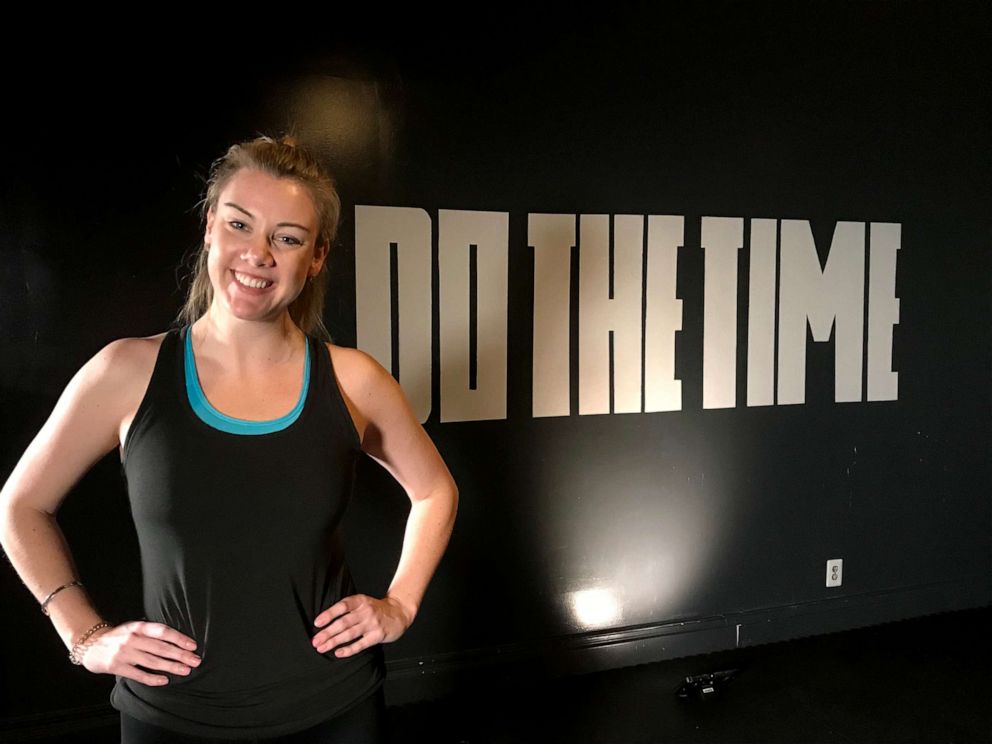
(44, 605)
(75, 656)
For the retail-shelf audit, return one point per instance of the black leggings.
(364, 723)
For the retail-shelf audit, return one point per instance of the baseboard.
(424, 678)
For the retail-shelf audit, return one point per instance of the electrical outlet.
(835, 572)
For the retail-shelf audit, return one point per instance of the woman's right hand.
(152, 645)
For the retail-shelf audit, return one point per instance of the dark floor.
(920, 680)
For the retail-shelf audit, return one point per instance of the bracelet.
(75, 656)
(44, 605)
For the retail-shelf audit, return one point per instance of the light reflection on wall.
(595, 608)
(632, 535)
(344, 117)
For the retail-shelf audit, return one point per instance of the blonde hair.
(283, 158)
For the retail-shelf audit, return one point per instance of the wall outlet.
(835, 572)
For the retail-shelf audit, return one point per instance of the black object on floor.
(703, 687)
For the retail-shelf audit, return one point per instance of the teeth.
(249, 282)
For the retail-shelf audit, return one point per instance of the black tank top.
(241, 548)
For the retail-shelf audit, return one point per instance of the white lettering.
(458, 231)
(376, 228)
(552, 237)
(831, 298)
(662, 392)
(721, 238)
(761, 314)
(883, 310)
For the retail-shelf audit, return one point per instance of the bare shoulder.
(137, 347)
(84, 424)
(130, 361)
(354, 368)
(133, 361)
(391, 431)
(115, 366)
(360, 379)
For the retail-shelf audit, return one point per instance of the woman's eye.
(236, 224)
(291, 240)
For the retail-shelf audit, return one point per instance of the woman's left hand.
(363, 617)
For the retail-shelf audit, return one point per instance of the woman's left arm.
(398, 442)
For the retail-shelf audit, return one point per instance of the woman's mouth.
(251, 284)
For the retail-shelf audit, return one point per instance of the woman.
(238, 476)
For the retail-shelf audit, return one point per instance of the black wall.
(701, 527)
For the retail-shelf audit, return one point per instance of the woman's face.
(263, 228)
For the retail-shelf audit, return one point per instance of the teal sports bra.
(212, 417)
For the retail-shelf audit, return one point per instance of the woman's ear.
(210, 224)
(320, 255)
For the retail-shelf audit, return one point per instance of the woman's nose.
(258, 250)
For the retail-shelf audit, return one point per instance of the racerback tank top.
(238, 526)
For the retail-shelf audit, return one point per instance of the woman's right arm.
(83, 427)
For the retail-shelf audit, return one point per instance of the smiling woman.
(285, 172)
(240, 431)
(265, 248)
